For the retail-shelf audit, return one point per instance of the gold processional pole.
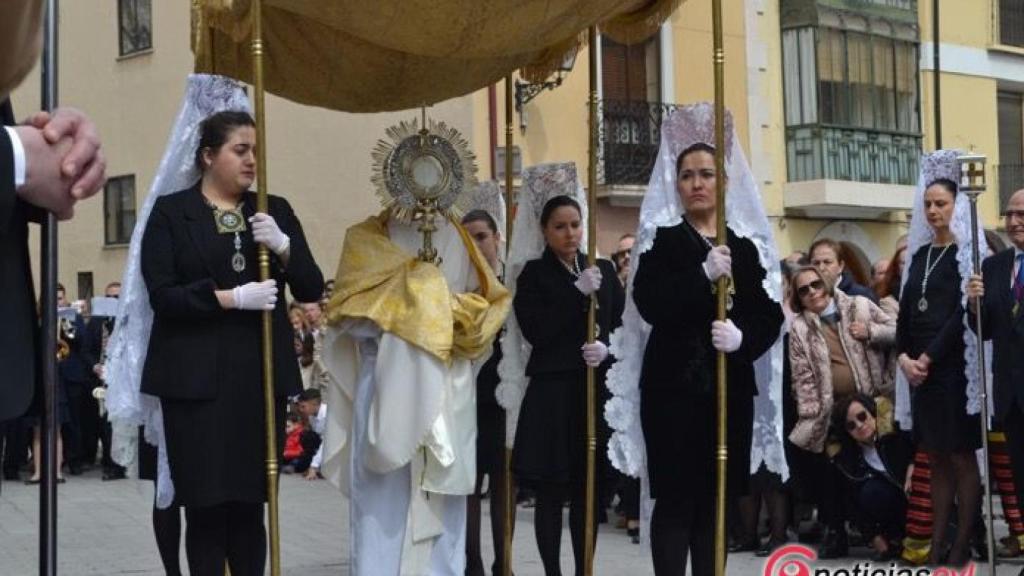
(722, 287)
(509, 499)
(264, 259)
(972, 182)
(591, 488)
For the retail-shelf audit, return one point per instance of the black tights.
(232, 532)
(776, 501)
(681, 526)
(474, 559)
(547, 524)
(954, 474)
(167, 529)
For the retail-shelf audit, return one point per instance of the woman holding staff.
(676, 268)
(483, 223)
(552, 295)
(199, 265)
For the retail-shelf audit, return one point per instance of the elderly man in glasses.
(1000, 291)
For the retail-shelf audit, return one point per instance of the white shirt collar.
(830, 309)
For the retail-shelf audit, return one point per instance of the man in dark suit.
(1001, 288)
(94, 428)
(48, 164)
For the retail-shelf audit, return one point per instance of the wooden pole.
(269, 399)
(507, 485)
(591, 486)
(722, 291)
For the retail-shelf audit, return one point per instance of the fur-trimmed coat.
(812, 369)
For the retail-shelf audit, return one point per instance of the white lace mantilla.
(126, 354)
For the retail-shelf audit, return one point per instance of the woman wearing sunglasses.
(875, 460)
(833, 355)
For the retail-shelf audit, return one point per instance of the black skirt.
(148, 456)
(939, 407)
(490, 418)
(217, 448)
(490, 438)
(551, 437)
(680, 434)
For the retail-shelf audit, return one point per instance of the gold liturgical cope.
(379, 281)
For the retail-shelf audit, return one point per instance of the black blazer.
(92, 342)
(1006, 333)
(894, 449)
(552, 313)
(673, 295)
(76, 368)
(192, 334)
(19, 325)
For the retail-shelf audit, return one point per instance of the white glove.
(725, 336)
(594, 353)
(266, 232)
(718, 263)
(256, 295)
(589, 280)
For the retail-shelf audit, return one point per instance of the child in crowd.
(314, 412)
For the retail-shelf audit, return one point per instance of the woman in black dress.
(551, 303)
(490, 423)
(204, 361)
(930, 344)
(673, 293)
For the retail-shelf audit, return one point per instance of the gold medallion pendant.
(229, 221)
(232, 221)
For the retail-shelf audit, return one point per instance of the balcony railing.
(630, 137)
(1011, 179)
(822, 152)
(1011, 22)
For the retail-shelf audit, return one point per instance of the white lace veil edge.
(936, 165)
(487, 196)
(540, 183)
(126, 354)
(746, 217)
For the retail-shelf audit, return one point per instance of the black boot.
(834, 544)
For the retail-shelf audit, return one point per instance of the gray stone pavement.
(105, 530)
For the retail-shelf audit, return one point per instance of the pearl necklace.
(573, 268)
(714, 285)
(922, 304)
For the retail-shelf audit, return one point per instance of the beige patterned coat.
(812, 370)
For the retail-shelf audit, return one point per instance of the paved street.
(105, 530)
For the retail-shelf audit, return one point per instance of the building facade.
(833, 101)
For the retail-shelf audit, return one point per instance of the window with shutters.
(135, 26)
(851, 100)
(631, 110)
(1011, 22)
(631, 73)
(119, 210)
(1011, 144)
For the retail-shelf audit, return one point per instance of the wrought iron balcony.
(1011, 179)
(630, 134)
(818, 152)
